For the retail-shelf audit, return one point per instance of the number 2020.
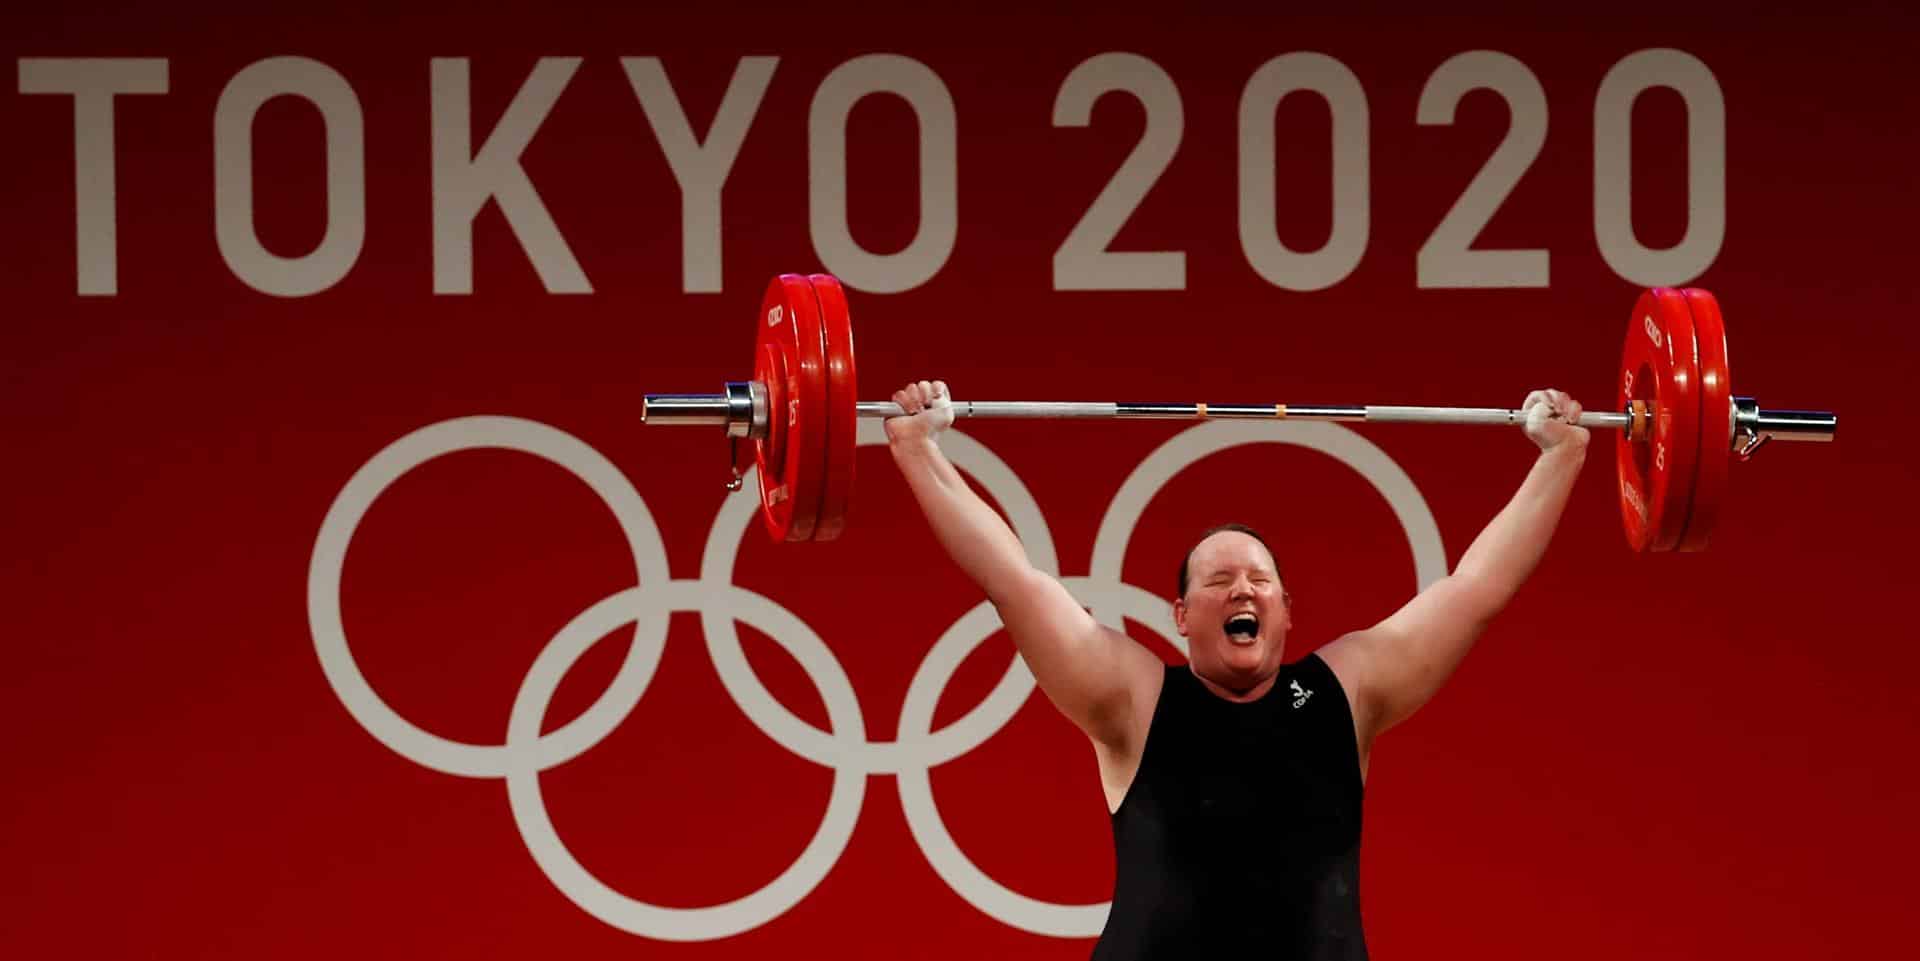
(1447, 259)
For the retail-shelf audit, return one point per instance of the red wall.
(1669, 756)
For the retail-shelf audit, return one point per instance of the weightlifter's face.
(1236, 614)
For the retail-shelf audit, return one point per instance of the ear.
(1180, 615)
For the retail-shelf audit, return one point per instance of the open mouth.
(1242, 627)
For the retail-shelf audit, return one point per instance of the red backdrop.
(1654, 756)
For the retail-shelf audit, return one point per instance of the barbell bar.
(738, 417)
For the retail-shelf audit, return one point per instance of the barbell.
(1680, 424)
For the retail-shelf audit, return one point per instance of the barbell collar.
(676, 410)
(1802, 425)
(742, 409)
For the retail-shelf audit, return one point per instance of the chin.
(1244, 660)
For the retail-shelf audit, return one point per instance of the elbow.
(1011, 582)
(1477, 595)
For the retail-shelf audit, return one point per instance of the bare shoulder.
(1351, 657)
(1120, 739)
(1100, 678)
(1140, 675)
(1355, 660)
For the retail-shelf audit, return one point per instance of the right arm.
(1095, 675)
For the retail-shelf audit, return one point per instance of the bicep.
(1091, 672)
(1399, 664)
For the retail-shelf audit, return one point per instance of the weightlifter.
(1234, 781)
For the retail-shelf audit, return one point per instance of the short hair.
(1221, 529)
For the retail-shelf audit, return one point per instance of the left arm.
(1394, 667)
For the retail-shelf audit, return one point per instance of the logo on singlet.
(1300, 694)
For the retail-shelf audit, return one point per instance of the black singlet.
(1240, 834)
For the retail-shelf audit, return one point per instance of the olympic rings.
(845, 747)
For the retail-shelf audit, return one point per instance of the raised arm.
(1096, 676)
(1397, 665)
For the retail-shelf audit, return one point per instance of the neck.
(1257, 690)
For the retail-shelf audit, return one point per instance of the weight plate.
(1659, 365)
(791, 458)
(843, 396)
(1716, 420)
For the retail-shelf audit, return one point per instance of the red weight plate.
(807, 475)
(789, 325)
(774, 351)
(1659, 366)
(1716, 420)
(843, 397)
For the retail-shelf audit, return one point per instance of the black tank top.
(1240, 835)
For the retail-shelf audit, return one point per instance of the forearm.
(973, 534)
(1507, 551)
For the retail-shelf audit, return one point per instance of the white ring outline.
(631, 915)
(1184, 449)
(350, 506)
(923, 815)
(879, 757)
